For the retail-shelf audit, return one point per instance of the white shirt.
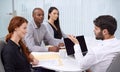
(98, 58)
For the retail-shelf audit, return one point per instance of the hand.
(53, 49)
(61, 45)
(35, 62)
(73, 39)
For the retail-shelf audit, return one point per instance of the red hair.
(15, 22)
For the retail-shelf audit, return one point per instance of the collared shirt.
(35, 36)
(98, 58)
(14, 60)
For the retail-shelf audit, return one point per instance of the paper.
(47, 58)
(48, 62)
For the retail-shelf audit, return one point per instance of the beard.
(99, 36)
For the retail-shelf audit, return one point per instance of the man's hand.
(73, 39)
(61, 45)
(53, 49)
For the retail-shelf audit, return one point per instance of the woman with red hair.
(15, 55)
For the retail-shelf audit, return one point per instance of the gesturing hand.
(73, 39)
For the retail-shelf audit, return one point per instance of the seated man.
(37, 32)
(99, 58)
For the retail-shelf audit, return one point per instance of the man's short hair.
(36, 9)
(106, 22)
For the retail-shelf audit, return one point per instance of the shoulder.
(30, 25)
(43, 26)
(46, 24)
(115, 42)
(10, 45)
(8, 49)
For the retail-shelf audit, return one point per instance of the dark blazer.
(14, 60)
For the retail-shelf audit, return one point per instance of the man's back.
(104, 54)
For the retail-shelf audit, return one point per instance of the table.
(53, 61)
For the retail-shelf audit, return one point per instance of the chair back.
(2, 44)
(115, 65)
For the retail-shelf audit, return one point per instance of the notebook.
(69, 45)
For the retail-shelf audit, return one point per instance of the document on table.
(47, 58)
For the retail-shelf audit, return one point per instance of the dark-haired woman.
(53, 25)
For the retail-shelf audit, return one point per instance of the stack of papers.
(47, 58)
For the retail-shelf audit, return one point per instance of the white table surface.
(68, 64)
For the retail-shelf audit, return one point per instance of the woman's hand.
(73, 39)
(35, 62)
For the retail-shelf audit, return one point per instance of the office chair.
(2, 44)
(115, 65)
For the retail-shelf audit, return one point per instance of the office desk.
(52, 60)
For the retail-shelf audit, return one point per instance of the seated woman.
(15, 55)
(53, 25)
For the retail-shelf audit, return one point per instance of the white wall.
(70, 15)
(116, 12)
(5, 9)
(24, 7)
(76, 16)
